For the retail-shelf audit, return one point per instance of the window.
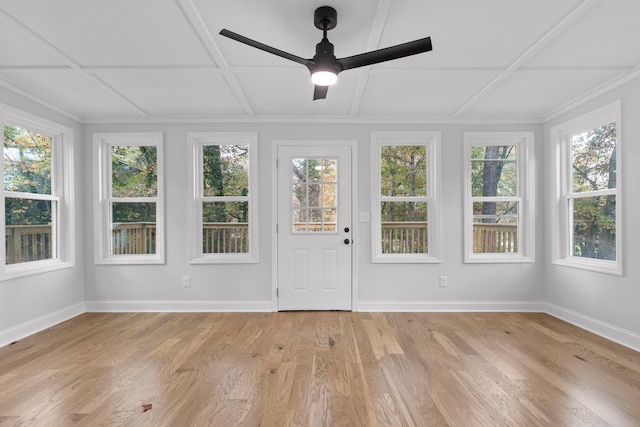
(224, 201)
(498, 197)
(37, 195)
(129, 210)
(405, 211)
(587, 182)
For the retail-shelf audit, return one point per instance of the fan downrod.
(325, 18)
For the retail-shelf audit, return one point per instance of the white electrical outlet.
(444, 281)
(186, 281)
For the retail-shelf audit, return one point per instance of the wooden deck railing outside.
(495, 238)
(134, 238)
(24, 243)
(411, 237)
(217, 238)
(404, 238)
(33, 242)
(225, 238)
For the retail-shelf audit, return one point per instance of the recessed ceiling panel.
(420, 93)
(290, 92)
(132, 59)
(22, 51)
(606, 36)
(533, 94)
(175, 92)
(71, 91)
(114, 32)
(487, 33)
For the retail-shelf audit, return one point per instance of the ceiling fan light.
(324, 78)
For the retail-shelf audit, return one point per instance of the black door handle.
(347, 241)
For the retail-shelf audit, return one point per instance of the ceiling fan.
(324, 66)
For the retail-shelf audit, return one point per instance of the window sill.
(493, 259)
(405, 259)
(599, 266)
(130, 260)
(32, 268)
(224, 259)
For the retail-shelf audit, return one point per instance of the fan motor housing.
(325, 15)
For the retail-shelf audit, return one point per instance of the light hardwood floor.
(318, 369)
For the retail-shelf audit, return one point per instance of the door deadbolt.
(346, 229)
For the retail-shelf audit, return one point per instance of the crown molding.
(308, 120)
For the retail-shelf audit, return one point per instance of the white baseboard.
(598, 327)
(41, 323)
(179, 306)
(454, 306)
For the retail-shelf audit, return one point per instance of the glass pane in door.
(314, 195)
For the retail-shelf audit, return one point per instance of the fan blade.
(264, 47)
(386, 54)
(320, 92)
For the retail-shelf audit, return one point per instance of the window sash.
(431, 142)
(34, 196)
(104, 252)
(197, 142)
(62, 238)
(523, 143)
(571, 196)
(562, 217)
(404, 199)
(594, 193)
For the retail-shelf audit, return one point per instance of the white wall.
(600, 301)
(31, 303)
(388, 286)
(603, 303)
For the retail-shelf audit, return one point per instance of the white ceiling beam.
(377, 30)
(194, 19)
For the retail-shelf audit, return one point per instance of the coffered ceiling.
(163, 60)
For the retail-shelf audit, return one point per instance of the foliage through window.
(588, 182)
(223, 205)
(403, 208)
(130, 206)
(36, 203)
(225, 173)
(134, 176)
(404, 213)
(496, 195)
(28, 200)
(593, 200)
(494, 191)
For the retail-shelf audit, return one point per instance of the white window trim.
(524, 141)
(196, 141)
(432, 141)
(561, 189)
(102, 143)
(62, 189)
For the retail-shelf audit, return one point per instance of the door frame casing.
(355, 226)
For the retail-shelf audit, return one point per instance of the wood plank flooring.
(318, 369)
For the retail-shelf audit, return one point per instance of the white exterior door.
(314, 227)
